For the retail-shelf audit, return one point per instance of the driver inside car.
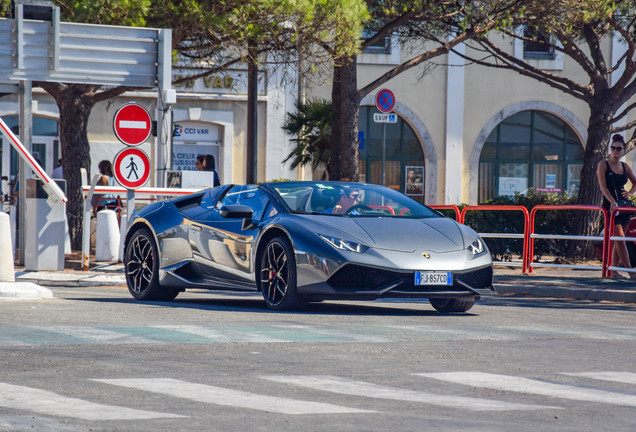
(347, 200)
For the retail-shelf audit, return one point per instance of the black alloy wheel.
(277, 276)
(142, 268)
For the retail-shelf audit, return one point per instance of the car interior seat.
(321, 200)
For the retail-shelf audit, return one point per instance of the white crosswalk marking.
(620, 377)
(45, 402)
(228, 397)
(532, 386)
(359, 388)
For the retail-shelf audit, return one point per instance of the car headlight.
(344, 245)
(477, 247)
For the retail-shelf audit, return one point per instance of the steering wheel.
(358, 207)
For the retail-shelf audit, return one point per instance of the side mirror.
(236, 211)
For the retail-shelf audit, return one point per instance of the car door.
(221, 245)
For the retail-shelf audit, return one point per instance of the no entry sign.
(385, 101)
(132, 124)
(131, 168)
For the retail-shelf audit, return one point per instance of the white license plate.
(433, 278)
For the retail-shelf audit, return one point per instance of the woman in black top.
(612, 176)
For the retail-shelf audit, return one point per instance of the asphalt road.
(92, 359)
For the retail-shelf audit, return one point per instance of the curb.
(23, 290)
(593, 294)
(60, 279)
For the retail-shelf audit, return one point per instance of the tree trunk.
(74, 113)
(590, 193)
(344, 164)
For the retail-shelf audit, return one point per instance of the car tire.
(277, 276)
(142, 268)
(452, 304)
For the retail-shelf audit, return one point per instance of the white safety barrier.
(7, 273)
(150, 193)
(107, 237)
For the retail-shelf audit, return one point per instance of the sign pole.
(383, 153)
(384, 102)
(130, 205)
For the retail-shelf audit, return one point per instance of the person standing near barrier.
(200, 162)
(102, 201)
(612, 176)
(210, 165)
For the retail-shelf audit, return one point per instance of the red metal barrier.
(447, 207)
(526, 224)
(533, 235)
(611, 239)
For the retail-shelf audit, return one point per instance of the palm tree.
(311, 126)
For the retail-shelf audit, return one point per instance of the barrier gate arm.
(50, 187)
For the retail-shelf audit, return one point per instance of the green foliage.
(4, 8)
(311, 127)
(131, 13)
(206, 30)
(278, 180)
(546, 222)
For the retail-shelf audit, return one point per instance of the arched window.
(402, 150)
(530, 149)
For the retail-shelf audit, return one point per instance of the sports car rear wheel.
(452, 304)
(142, 269)
(277, 276)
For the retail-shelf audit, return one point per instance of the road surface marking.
(228, 397)
(46, 402)
(533, 386)
(619, 377)
(360, 388)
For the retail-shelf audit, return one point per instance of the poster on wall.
(184, 156)
(550, 184)
(414, 180)
(508, 186)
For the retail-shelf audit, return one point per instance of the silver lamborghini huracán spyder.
(300, 242)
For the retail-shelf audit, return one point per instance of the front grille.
(478, 279)
(355, 278)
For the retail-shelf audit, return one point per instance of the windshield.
(349, 199)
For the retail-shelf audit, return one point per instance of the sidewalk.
(551, 283)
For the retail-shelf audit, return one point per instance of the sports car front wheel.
(277, 276)
(142, 268)
(452, 304)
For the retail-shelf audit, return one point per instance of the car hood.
(398, 234)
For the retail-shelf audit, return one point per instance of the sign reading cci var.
(132, 124)
(131, 168)
(385, 101)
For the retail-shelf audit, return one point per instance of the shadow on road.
(253, 303)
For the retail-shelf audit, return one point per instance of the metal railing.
(612, 238)
(524, 235)
(447, 207)
(533, 235)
